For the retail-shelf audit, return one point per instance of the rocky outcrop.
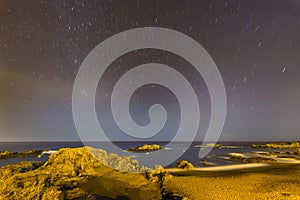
(79, 173)
(159, 175)
(183, 164)
(252, 159)
(9, 154)
(210, 145)
(146, 148)
(280, 145)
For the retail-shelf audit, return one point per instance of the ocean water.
(216, 156)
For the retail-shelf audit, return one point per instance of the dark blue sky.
(254, 43)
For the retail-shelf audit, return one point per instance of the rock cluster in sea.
(279, 145)
(255, 159)
(210, 145)
(146, 148)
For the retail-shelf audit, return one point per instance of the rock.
(214, 145)
(146, 148)
(161, 177)
(210, 145)
(279, 145)
(252, 159)
(9, 154)
(77, 173)
(203, 162)
(158, 175)
(183, 164)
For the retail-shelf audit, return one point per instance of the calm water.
(215, 156)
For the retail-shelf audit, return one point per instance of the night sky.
(254, 43)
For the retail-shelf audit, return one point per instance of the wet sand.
(221, 168)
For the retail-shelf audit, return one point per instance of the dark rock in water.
(146, 148)
(203, 162)
(183, 164)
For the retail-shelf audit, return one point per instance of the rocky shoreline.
(9, 154)
(83, 173)
(89, 174)
(278, 145)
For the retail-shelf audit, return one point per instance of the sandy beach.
(280, 181)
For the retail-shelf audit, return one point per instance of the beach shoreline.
(258, 175)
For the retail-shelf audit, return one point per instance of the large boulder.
(77, 173)
(158, 175)
(183, 164)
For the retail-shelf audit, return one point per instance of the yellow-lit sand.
(273, 182)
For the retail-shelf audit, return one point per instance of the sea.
(218, 156)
